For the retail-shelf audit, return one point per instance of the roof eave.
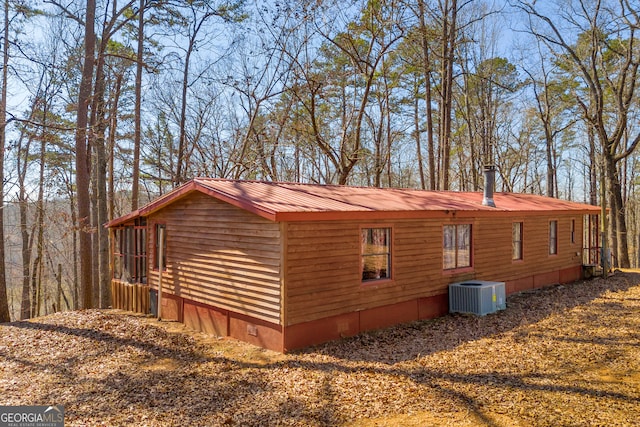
(418, 214)
(253, 206)
(183, 191)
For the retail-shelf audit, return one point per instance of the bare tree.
(449, 25)
(336, 87)
(83, 199)
(605, 59)
(258, 74)
(4, 302)
(553, 106)
(195, 21)
(427, 66)
(137, 134)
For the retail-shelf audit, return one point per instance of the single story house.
(287, 265)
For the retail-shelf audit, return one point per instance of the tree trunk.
(113, 126)
(593, 169)
(182, 139)
(449, 17)
(427, 96)
(76, 278)
(618, 222)
(389, 133)
(59, 289)
(471, 136)
(377, 161)
(416, 127)
(93, 196)
(36, 270)
(4, 302)
(25, 305)
(99, 125)
(23, 154)
(137, 133)
(82, 158)
(550, 161)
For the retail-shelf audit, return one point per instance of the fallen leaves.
(565, 355)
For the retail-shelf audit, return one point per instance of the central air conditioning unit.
(477, 296)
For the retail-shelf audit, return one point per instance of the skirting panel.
(431, 307)
(545, 279)
(220, 322)
(519, 285)
(388, 315)
(171, 307)
(320, 331)
(255, 331)
(335, 327)
(541, 280)
(206, 319)
(572, 274)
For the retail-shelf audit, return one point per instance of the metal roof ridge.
(311, 184)
(326, 197)
(291, 187)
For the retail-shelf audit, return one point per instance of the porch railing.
(130, 296)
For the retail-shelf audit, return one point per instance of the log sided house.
(284, 265)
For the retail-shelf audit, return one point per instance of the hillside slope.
(563, 355)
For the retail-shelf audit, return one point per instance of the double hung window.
(456, 246)
(553, 237)
(376, 253)
(160, 230)
(516, 241)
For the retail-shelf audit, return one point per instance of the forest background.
(107, 104)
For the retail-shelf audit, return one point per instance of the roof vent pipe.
(489, 182)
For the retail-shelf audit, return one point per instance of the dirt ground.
(562, 356)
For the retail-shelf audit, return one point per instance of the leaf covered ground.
(564, 355)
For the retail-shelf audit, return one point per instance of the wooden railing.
(130, 296)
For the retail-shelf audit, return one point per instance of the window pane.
(516, 231)
(449, 246)
(553, 237)
(117, 267)
(380, 239)
(157, 247)
(464, 245)
(364, 238)
(517, 252)
(517, 240)
(121, 239)
(375, 267)
(376, 253)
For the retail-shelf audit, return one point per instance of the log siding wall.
(289, 284)
(220, 255)
(323, 276)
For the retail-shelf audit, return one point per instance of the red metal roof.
(281, 201)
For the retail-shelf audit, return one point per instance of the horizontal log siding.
(323, 267)
(323, 276)
(220, 255)
(493, 250)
